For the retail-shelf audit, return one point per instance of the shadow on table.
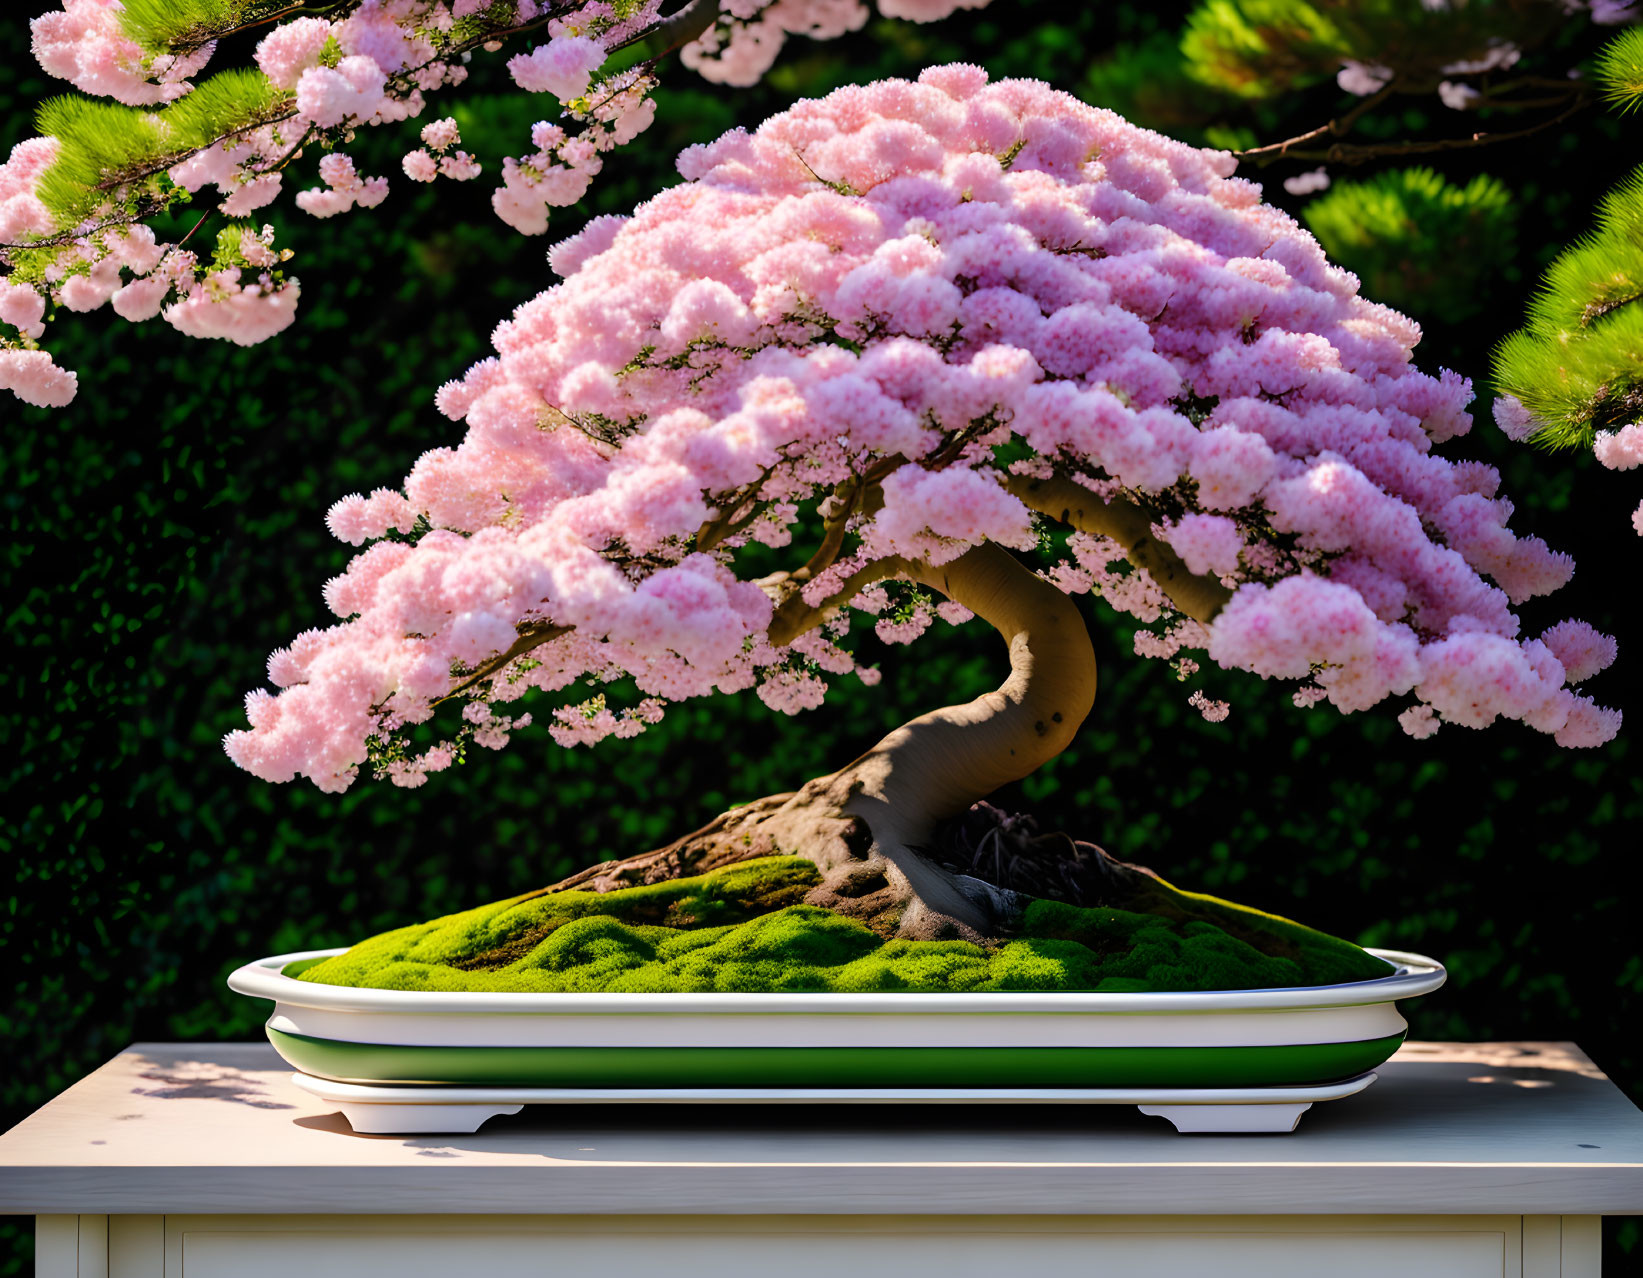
(1418, 1089)
(179, 1078)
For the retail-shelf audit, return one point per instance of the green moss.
(746, 928)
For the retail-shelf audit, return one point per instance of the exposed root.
(858, 878)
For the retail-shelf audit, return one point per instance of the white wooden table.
(203, 1161)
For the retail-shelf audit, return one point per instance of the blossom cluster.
(437, 157)
(748, 37)
(915, 281)
(374, 63)
(84, 44)
(370, 67)
(243, 298)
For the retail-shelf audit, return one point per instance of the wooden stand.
(207, 1162)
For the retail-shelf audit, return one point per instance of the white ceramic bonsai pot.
(1222, 1039)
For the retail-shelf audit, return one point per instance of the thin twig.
(190, 234)
(290, 155)
(1335, 128)
(1343, 154)
(1521, 104)
(81, 233)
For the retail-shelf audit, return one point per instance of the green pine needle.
(1149, 84)
(1257, 48)
(225, 103)
(1416, 242)
(103, 146)
(1577, 365)
(181, 26)
(1620, 70)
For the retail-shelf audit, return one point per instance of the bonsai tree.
(866, 359)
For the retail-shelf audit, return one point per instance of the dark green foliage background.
(166, 531)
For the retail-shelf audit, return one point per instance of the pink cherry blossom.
(1362, 78)
(84, 44)
(863, 286)
(1419, 722)
(1213, 711)
(343, 189)
(357, 519)
(34, 379)
(89, 291)
(562, 67)
(141, 299)
(419, 166)
(1308, 183)
(135, 248)
(1513, 418)
(1581, 650)
(441, 135)
(1621, 449)
(289, 50)
(23, 308)
(460, 167)
(1207, 543)
(352, 90)
(22, 214)
(244, 314)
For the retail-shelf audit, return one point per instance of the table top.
(1509, 1128)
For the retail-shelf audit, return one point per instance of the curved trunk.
(865, 824)
(940, 763)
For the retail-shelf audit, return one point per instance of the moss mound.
(744, 928)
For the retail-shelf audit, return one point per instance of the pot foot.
(377, 1119)
(1229, 1118)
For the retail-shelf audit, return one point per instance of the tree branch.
(532, 635)
(676, 30)
(113, 184)
(1334, 128)
(1073, 504)
(725, 524)
(672, 32)
(1344, 154)
(794, 617)
(834, 528)
(860, 495)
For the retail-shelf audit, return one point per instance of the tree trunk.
(870, 826)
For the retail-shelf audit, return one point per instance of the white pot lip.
(1415, 975)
